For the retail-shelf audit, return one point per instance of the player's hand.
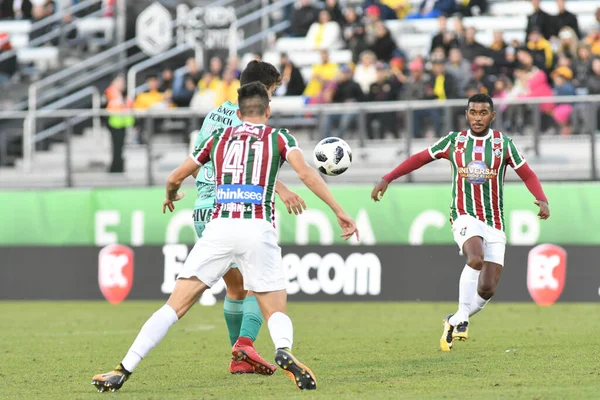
(544, 209)
(293, 202)
(348, 226)
(168, 203)
(379, 190)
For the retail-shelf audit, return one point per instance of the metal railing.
(405, 145)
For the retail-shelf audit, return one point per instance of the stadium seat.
(525, 7)
(42, 57)
(15, 27)
(89, 26)
(287, 103)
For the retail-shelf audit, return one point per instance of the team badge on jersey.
(498, 153)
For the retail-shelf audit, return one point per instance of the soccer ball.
(332, 156)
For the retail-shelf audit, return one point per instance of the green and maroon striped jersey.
(478, 170)
(247, 159)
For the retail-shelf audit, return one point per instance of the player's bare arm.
(174, 182)
(311, 178)
(411, 164)
(293, 202)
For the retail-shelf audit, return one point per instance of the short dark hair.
(253, 99)
(260, 71)
(481, 98)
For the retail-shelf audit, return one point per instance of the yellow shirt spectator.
(227, 89)
(321, 73)
(402, 7)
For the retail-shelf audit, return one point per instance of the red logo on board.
(546, 273)
(115, 272)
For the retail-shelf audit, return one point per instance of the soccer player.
(246, 159)
(479, 159)
(241, 311)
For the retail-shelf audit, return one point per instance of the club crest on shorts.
(463, 231)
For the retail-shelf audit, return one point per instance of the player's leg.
(268, 281)
(208, 261)
(468, 234)
(233, 306)
(273, 307)
(186, 293)
(491, 269)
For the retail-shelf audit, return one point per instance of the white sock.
(477, 304)
(467, 288)
(282, 331)
(153, 331)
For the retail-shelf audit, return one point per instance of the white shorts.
(494, 240)
(249, 243)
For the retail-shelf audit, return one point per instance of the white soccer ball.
(332, 156)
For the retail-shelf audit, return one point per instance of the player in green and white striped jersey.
(479, 158)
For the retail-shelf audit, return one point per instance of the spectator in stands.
(583, 63)
(565, 18)
(538, 86)
(227, 88)
(568, 42)
(444, 85)
(498, 43)
(292, 83)
(526, 61)
(346, 91)
(233, 63)
(325, 33)
(471, 48)
(593, 80)
(420, 87)
(15, 9)
(459, 68)
(540, 19)
(166, 84)
(397, 73)
(365, 72)
(384, 45)
(321, 73)
(480, 80)
(118, 123)
(186, 93)
(433, 9)
(540, 49)
(471, 8)
(385, 12)
(209, 82)
(354, 34)
(400, 7)
(458, 30)
(335, 11)
(215, 67)
(303, 18)
(9, 66)
(152, 97)
(193, 71)
(383, 89)
(443, 38)
(593, 39)
(562, 77)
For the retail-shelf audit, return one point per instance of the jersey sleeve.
(202, 153)
(440, 148)
(286, 143)
(514, 157)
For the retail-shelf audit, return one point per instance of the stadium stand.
(491, 52)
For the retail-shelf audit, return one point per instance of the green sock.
(233, 311)
(252, 319)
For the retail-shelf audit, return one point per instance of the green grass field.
(50, 350)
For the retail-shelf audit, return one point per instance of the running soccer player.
(247, 160)
(479, 159)
(241, 311)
